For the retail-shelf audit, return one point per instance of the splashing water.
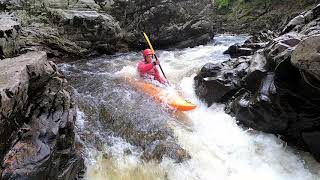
(219, 148)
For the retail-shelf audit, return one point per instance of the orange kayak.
(163, 95)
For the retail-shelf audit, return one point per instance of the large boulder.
(218, 82)
(89, 30)
(285, 104)
(260, 111)
(307, 56)
(255, 42)
(256, 72)
(237, 50)
(280, 48)
(78, 33)
(37, 138)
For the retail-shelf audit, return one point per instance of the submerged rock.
(144, 130)
(114, 109)
(37, 139)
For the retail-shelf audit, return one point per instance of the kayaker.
(148, 68)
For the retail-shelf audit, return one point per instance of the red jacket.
(150, 69)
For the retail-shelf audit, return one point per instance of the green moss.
(222, 3)
(256, 15)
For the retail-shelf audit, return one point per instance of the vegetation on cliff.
(249, 16)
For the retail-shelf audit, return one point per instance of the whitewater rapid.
(219, 148)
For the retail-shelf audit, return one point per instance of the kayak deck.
(168, 97)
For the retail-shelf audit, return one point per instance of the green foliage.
(222, 3)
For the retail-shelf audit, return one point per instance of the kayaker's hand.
(157, 62)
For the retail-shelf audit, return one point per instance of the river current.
(219, 148)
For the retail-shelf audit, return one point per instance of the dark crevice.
(9, 93)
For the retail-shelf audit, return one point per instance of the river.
(220, 149)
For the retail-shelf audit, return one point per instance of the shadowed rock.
(217, 83)
(37, 119)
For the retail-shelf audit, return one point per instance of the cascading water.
(219, 148)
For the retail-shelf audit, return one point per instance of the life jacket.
(149, 69)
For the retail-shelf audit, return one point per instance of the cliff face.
(37, 139)
(173, 23)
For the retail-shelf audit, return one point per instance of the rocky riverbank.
(275, 90)
(37, 121)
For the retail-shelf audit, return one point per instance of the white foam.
(127, 71)
(80, 122)
(219, 148)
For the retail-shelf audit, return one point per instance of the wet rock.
(282, 97)
(170, 149)
(116, 110)
(37, 121)
(311, 139)
(306, 56)
(9, 34)
(281, 48)
(302, 96)
(237, 51)
(217, 83)
(256, 72)
(249, 47)
(156, 144)
(286, 104)
(260, 111)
